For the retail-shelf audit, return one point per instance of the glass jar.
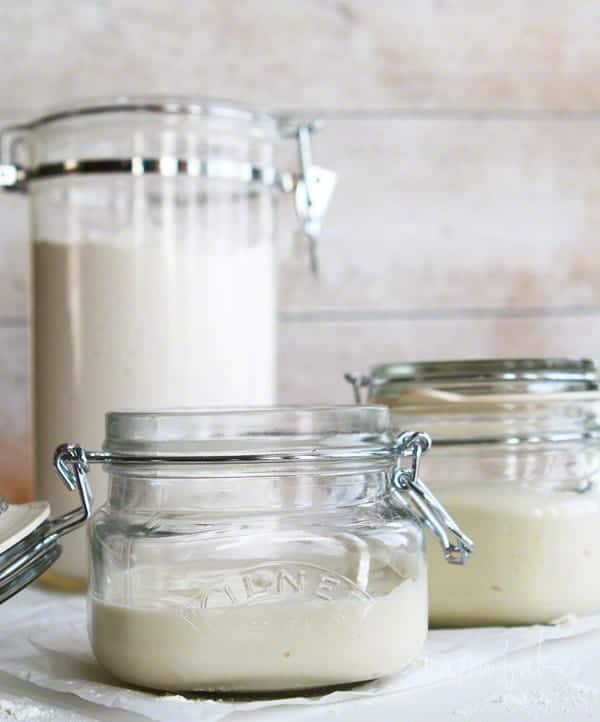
(154, 276)
(260, 550)
(516, 460)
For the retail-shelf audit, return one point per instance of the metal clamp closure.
(456, 544)
(313, 192)
(358, 383)
(33, 555)
(71, 463)
(312, 187)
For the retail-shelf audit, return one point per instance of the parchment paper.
(43, 639)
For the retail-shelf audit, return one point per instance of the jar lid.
(18, 521)
(292, 433)
(359, 435)
(114, 148)
(29, 537)
(22, 558)
(111, 143)
(533, 375)
(163, 104)
(491, 401)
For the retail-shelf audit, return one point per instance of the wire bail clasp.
(313, 191)
(36, 550)
(358, 383)
(71, 463)
(457, 546)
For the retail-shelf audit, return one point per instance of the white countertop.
(557, 679)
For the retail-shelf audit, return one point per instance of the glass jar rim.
(189, 105)
(282, 433)
(496, 374)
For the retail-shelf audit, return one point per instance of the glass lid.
(285, 432)
(22, 557)
(29, 536)
(166, 104)
(170, 136)
(489, 376)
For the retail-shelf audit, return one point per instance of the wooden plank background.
(467, 139)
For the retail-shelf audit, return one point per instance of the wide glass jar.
(260, 550)
(154, 262)
(516, 461)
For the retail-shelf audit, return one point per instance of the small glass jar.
(516, 461)
(259, 550)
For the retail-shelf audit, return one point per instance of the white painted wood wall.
(466, 135)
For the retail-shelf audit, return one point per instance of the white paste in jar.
(139, 326)
(269, 645)
(536, 556)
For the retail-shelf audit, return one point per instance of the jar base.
(247, 694)
(62, 582)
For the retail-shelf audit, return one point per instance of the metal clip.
(71, 463)
(358, 383)
(32, 556)
(12, 177)
(429, 510)
(314, 189)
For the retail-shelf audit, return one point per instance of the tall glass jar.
(153, 223)
(516, 460)
(259, 550)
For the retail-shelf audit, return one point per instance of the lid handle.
(456, 544)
